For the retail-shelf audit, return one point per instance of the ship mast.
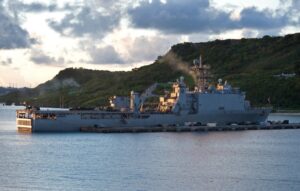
(202, 74)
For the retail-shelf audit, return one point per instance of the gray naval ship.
(205, 105)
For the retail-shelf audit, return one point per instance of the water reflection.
(241, 160)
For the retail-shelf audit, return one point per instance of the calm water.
(244, 160)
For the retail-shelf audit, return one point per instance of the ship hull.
(74, 121)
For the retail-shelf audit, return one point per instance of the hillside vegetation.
(247, 63)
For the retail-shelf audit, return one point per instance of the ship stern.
(23, 121)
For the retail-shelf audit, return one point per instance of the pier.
(189, 128)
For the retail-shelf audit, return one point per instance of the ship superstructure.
(205, 104)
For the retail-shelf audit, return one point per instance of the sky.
(38, 38)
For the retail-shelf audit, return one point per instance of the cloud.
(177, 16)
(265, 19)
(11, 34)
(36, 7)
(148, 48)
(296, 4)
(6, 62)
(191, 16)
(39, 57)
(249, 34)
(87, 21)
(294, 11)
(104, 55)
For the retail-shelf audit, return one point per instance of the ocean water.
(241, 160)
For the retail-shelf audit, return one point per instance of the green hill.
(250, 64)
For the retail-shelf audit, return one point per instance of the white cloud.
(270, 4)
(235, 15)
(104, 55)
(12, 35)
(40, 57)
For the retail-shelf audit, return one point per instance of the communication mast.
(202, 74)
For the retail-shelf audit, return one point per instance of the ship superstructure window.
(102, 116)
(51, 116)
(21, 115)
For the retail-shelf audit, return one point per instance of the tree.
(297, 67)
